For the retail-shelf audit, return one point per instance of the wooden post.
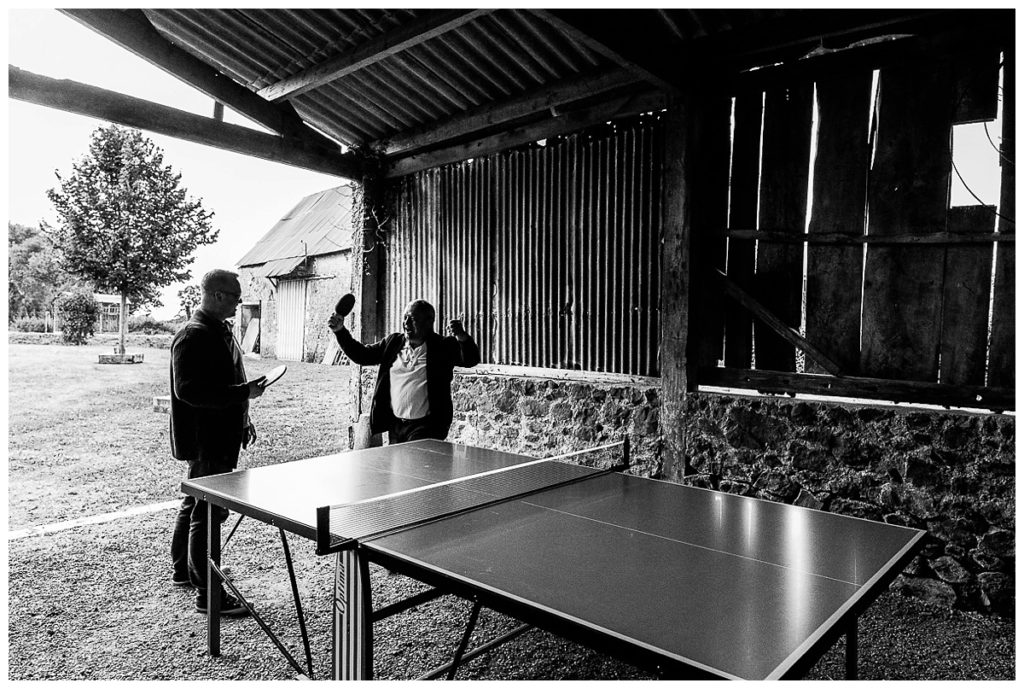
(369, 267)
(123, 324)
(675, 256)
(695, 198)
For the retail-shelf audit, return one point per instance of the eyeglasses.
(237, 296)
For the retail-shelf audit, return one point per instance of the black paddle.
(345, 304)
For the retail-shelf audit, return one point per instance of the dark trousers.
(188, 543)
(415, 429)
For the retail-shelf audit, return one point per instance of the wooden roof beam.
(433, 25)
(564, 123)
(111, 106)
(493, 114)
(132, 30)
(636, 41)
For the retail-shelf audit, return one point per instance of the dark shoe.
(229, 605)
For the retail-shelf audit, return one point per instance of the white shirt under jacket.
(409, 383)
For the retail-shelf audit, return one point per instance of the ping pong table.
(684, 581)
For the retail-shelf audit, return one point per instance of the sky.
(247, 195)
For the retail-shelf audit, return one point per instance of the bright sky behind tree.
(247, 195)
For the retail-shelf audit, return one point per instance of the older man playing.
(412, 399)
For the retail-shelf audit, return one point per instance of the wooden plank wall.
(746, 165)
(966, 279)
(1001, 356)
(895, 287)
(785, 160)
(834, 272)
(907, 195)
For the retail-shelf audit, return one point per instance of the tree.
(77, 311)
(126, 223)
(190, 297)
(34, 273)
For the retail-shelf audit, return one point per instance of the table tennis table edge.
(261, 515)
(808, 653)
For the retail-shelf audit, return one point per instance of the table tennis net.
(349, 523)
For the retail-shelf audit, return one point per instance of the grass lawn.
(84, 439)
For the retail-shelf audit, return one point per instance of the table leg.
(851, 650)
(212, 582)
(353, 626)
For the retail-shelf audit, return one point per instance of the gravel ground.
(95, 601)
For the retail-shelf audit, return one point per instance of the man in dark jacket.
(412, 399)
(209, 421)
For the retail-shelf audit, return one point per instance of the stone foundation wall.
(949, 473)
(544, 418)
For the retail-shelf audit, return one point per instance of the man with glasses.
(209, 421)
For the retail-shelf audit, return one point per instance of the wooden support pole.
(694, 203)
(675, 256)
(368, 284)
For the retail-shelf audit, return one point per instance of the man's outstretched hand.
(336, 323)
(455, 325)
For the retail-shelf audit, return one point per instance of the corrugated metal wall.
(549, 254)
(291, 314)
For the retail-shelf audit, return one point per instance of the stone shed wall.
(330, 277)
(334, 278)
(950, 473)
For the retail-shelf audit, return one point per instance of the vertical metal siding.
(550, 254)
(291, 315)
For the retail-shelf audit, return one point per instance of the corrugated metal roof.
(497, 55)
(413, 82)
(278, 267)
(319, 224)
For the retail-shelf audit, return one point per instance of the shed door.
(291, 314)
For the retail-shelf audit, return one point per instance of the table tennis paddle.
(345, 304)
(274, 375)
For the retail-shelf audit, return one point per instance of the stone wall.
(321, 296)
(330, 277)
(950, 473)
(261, 290)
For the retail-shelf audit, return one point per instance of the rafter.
(624, 38)
(433, 25)
(494, 114)
(564, 123)
(92, 101)
(133, 31)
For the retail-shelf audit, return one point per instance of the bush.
(146, 324)
(77, 312)
(29, 324)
